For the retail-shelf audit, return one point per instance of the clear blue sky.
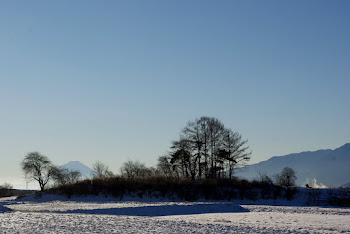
(117, 80)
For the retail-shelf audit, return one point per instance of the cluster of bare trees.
(206, 149)
(129, 169)
(286, 178)
(63, 176)
(39, 167)
(101, 171)
(136, 169)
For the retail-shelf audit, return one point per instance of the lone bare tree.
(101, 171)
(286, 178)
(38, 167)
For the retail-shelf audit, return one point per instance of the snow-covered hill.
(329, 167)
(78, 166)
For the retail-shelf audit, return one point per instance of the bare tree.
(135, 169)
(264, 178)
(38, 167)
(215, 132)
(286, 178)
(65, 176)
(193, 132)
(182, 159)
(74, 176)
(101, 170)
(164, 167)
(234, 150)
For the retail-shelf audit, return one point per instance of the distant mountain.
(347, 185)
(78, 166)
(329, 167)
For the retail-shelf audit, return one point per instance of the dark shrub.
(290, 193)
(313, 197)
(176, 188)
(6, 190)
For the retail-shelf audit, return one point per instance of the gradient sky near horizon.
(117, 80)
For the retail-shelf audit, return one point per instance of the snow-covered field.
(89, 215)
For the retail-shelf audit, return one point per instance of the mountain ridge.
(330, 167)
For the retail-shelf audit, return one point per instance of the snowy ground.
(58, 215)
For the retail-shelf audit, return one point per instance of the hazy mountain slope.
(347, 185)
(329, 167)
(78, 166)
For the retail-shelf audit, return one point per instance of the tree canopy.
(207, 149)
(286, 178)
(38, 167)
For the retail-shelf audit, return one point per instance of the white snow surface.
(56, 214)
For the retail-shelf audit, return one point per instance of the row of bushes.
(177, 188)
(6, 190)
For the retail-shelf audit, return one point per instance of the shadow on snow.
(165, 210)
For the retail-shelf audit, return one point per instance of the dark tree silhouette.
(286, 178)
(38, 167)
(101, 170)
(135, 169)
(6, 190)
(164, 167)
(207, 149)
(65, 176)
